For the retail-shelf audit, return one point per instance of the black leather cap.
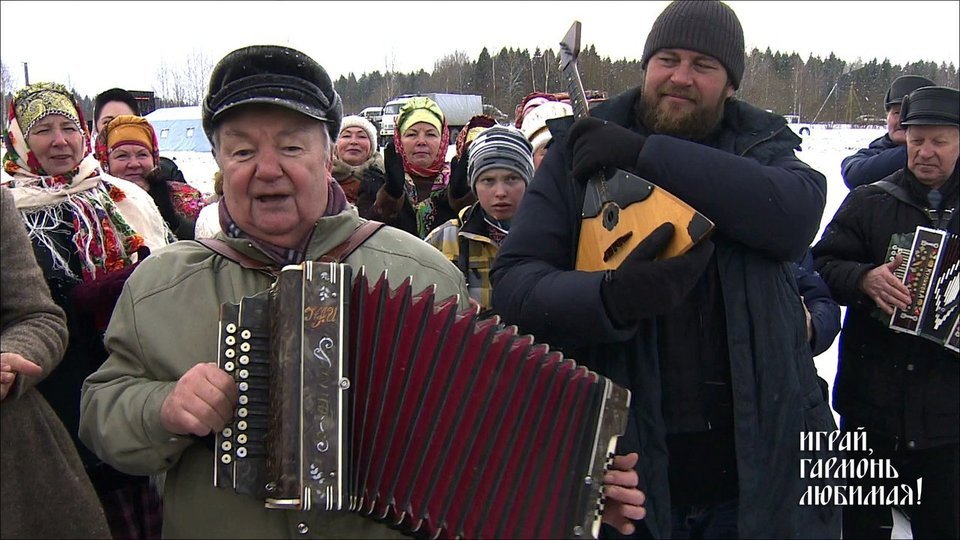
(931, 106)
(273, 75)
(902, 86)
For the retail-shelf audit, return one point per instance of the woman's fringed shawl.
(78, 201)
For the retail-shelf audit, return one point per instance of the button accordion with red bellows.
(396, 405)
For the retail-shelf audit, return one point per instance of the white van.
(388, 118)
(373, 114)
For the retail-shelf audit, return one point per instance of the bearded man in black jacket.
(900, 389)
(712, 343)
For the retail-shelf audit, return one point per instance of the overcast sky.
(98, 45)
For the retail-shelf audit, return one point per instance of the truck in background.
(458, 109)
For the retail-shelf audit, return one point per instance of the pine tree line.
(816, 89)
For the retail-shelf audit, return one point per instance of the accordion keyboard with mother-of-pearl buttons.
(393, 404)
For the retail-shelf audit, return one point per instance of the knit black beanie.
(708, 27)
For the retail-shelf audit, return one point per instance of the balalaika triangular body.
(621, 210)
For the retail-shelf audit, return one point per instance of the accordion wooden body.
(397, 405)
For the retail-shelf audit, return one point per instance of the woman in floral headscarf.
(127, 148)
(415, 195)
(88, 231)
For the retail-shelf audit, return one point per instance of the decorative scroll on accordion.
(931, 271)
(395, 405)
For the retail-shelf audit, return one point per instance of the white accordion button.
(244, 374)
(231, 341)
(230, 328)
(245, 334)
(226, 459)
(226, 446)
(242, 438)
(242, 412)
(228, 366)
(227, 432)
(244, 360)
(242, 425)
(244, 399)
(244, 386)
(229, 353)
(244, 347)
(241, 452)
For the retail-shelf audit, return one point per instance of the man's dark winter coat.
(767, 206)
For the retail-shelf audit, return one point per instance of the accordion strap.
(356, 239)
(337, 254)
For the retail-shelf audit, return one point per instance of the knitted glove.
(459, 186)
(643, 287)
(393, 164)
(596, 144)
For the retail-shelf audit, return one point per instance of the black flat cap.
(274, 75)
(931, 106)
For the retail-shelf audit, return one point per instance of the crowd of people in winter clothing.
(115, 267)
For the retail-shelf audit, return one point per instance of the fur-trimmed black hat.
(931, 106)
(709, 27)
(902, 86)
(273, 75)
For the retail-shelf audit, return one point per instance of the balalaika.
(398, 406)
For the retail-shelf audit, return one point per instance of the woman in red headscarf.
(415, 196)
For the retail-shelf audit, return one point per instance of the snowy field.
(823, 149)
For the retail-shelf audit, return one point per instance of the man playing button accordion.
(155, 404)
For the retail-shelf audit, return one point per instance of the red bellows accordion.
(398, 406)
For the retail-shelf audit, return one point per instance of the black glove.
(396, 176)
(160, 193)
(642, 287)
(459, 187)
(596, 144)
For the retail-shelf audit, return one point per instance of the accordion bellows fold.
(392, 404)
